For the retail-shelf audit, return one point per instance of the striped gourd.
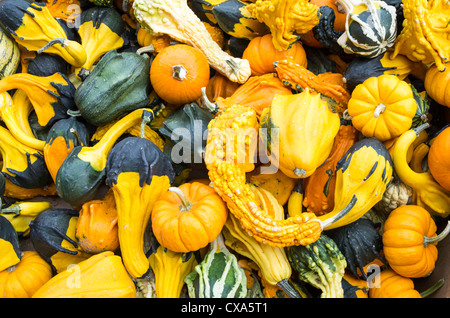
(423, 107)
(9, 55)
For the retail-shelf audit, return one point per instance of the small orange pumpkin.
(261, 54)
(437, 84)
(189, 217)
(409, 241)
(439, 158)
(393, 285)
(25, 278)
(97, 225)
(220, 86)
(178, 73)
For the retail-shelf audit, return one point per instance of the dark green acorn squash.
(9, 244)
(320, 264)
(186, 131)
(119, 84)
(360, 243)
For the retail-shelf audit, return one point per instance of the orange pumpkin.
(261, 54)
(392, 285)
(178, 73)
(409, 241)
(97, 225)
(25, 278)
(189, 217)
(437, 84)
(220, 86)
(439, 158)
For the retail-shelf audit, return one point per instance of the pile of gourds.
(228, 148)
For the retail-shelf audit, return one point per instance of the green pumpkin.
(9, 244)
(119, 84)
(218, 275)
(320, 264)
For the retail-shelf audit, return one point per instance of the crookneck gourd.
(100, 31)
(298, 131)
(177, 20)
(299, 78)
(138, 173)
(227, 166)
(32, 26)
(362, 173)
(370, 27)
(78, 188)
(424, 34)
(22, 165)
(427, 193)
(285, 19)
(51, 96)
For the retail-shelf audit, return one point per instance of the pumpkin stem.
(433, 288)
(179, 72)
(287, 288)
(379, 110)
(341, 214)
(185, 204)
(63, 43)
(211, 106)
(430, 240)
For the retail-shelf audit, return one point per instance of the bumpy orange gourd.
(97, 225)
(189, 217)
(439, 158)
(25, 278)
(178, 73)
(261, 54)
(409, 241)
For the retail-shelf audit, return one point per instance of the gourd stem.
(430, 240)
(147, 117)
(146, 49)
(77, 135)
(379, 110)
(418, 129)
(341, 214)
(73, 113)
(63, 43)
(211, 106)
(288, 289)
(433, 288)
(11, 210)
(179, 72)
(185, 204)
(299, 172)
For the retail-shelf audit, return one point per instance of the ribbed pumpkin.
(261, 54)
(178, 73)
(382, 107)
(437, 84)
(25, 278)
(409, 241)
(187, 218)
(439, 160)
(392, 285)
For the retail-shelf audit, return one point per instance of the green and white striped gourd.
(9, 55)
(370, 27)
(218, 275)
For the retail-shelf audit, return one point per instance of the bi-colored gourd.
(299, 132)
(218, 275)
(189, 217)
(409, 241)
(100, 276)
(138, 173)
(427, 193)
(32, 26)
(177, 20)
(9, 55)
(9, 244)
